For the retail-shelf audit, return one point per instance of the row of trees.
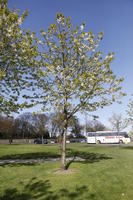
(30, 125)
(63, 69)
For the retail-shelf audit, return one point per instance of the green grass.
(106, 174)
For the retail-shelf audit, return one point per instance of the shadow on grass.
(39, 189)
(35, 155)
(17, 165)
(85, 157)
(127, 147)
(72, 155)
(27, 159)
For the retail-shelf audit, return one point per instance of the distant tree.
(131, 133)
(40, 124)
(117, 122)
(56, 124)
(18, 53)
(6, 127)
(73, 76)
(75, 127)
(95, 125)
(98, 126)
(29, 125)
(25, 126)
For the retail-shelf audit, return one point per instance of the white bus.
(107, 137)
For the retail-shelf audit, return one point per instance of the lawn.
(105, 173)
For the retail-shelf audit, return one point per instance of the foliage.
(72, 67)
(73, 74)
(18, 53)
(130, 111)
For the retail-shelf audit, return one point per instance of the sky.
(113, 17)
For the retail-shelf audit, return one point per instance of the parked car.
(52, 141)
(39, 141)
(83, 141)
(67, 141)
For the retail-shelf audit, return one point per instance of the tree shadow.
(18, 164)
(127, 147)
(39, 189)
(85, 157)
(28, 159)
(35, 155)
(38, 157)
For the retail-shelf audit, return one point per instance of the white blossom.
(43, 33)
(109, 56)
(19, 21)
(81, 27)
(86, 38)
(59, 20)
(9, 30)
(40, 42)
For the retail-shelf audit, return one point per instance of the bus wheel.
(98, 142)
(120, 142)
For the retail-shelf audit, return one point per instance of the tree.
(95, 125)
(56, 124)
(41, 120)
(117, 122)
(24, 127)
(75, 127)
(6, 127)
(29, 125)
(73, 75)
(18, 53)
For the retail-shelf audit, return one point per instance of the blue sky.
(114, 17)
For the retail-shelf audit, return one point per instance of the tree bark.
(42, 138)
(63, 158)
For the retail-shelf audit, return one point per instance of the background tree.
(29, 125)
(6, 128)
(41, 121)
(75, 127)
(95, 125)
(18, 53)
(73, 75)
(117, 122)
(56, 124)
(25, 126)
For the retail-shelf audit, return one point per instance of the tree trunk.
(63, 157)
(42, 138)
